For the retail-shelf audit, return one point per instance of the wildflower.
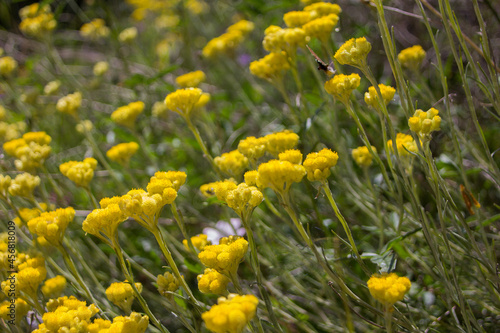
(95, 30)
(12, 131)
(212, 282)
(354, 52)
(204, 99)
(371, 96)
(127, 35)
(320, 9)
(121, 153)
(243, 199)
(280, 141)
(190, 80)
(295, 19)
(208, 189)
(423, 123)
(251, 178)
(37, 23)
(404, 144)
(242, 26)
(122, 294)
(318, 164)
(23, 185)
(183, 101)
(362, 156)
(144, 207)
(84, 126)
(30, 278)
(81, 173)
(252, 148)
(178, 178)
(222, 188)
(272, 67)
(33, 10)
(197, 7)
(225, 257)
(277, 40)
(388, 288)
(52, 225)
(54, 287)
(126, 115)
(162, 183)
(159, 110)
(30, 151)
(105, 221)
(136, 323)
(21, 310)
(70, 103)
(412, 57)
(229, 41)
(232, 163)
(167, 283)
(322, 27)
(100, 68)
(231, 314)
(27, 214)
(293, 156)
(199, 242)
(341, 86)
(52, 87)
(280, 175)
(7, 66)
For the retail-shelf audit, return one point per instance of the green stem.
(388, 319)
(145, 148)
(182, 226)
(203, 147)
(53, 183)
(92, 197)
(233, 276)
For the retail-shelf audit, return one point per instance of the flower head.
(54, 287)
(354, 52)
(21, 310)
(183, 101)
(279, 142)
(29, 279)
(296, 19)
(423, 123)
(388, 288)
(100, 68)
(7, 66)
(279, 175)
(412, 57)
(253, 148)
(404, 144)
(52, 225)
(190, 80)
(293, 156)
(212, 282)
(225, 257)
(271, 67)
(371, 96)
(229, 41)
(105, 221)
(81, 173)
(23, 185)
(167, 283)
(52, 87)
(322, 27)
(318, 164)
(362, 156)
(122, 152)
(288, 40)
(320, 9)
(127, 35)
(243, 199)
(231, 314)
(70, 103)
(122, 294)
(341, 86)
(126, 115)
(37, 20)
(31, 150)
(199, 242)
(232, 163)
(95, 30)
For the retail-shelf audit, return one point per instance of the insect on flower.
(328, 69)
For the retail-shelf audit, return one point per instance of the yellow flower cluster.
(279, 142)
(191, 79)
(23, 185)
(177, 178)
(322, 27)
(362, 156)
(253, 148)
(288, 40)
(51, 225)
(30, 151)
(296, 19)
(105, 221)
(199, 242)
(11, 131)
(144, 207)
(423, 123)
(341, 86)
(212, 282)
(271, 67)
(371, 96)
(95, 30)
(52, 87)
(27, 214)
(31, 274)
(293, 156)
(354, 52)
(182, 101)
(279, 175)
(229, 41)
(388, 288)
(412, 57)
(7, 65)
(122, 152)
(167, 283)
(54, 287)
(70, 103)
(37, 20)
(100, 68)
(232, 163)
(21, 307)
(251, 178)
(226, 256)
(243, 199)
(135, 323)
(222, 188)
(81, 173)
(318, 164)
(404, 144)
(5, 182)
(127, 35)
(231, 314)
(142, 7)
(320, 9)
(122, 294)
(127, 114)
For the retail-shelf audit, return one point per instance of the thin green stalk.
(233, 276)
(53, 183)
(377, 207)
(280, 85)
(145, 148)
(182, 226)
(388, 319)
(203, 147)
(92, 197)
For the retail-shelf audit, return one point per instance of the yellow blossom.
(341, 86)
(388, 288)
(252, 148)
(354, 52)
(322, 27)
(404, 144)
(167, 283)
(178, 178)
(242, 26)
(251, 178)
(100, 68)
(318, 164)
(279, 175)
(38, 24)
(371, 96)
(166, 185)
(293, 156)
(362, 156)
(52, 225)
(105, 221)
(280, 141)
(31, 150)
(243, 199)
(33, 10)
(229, 41)
(224, 258)
(135, 323)
(23, 185)
(412, 57)
(277, 39)
(320, 9)
(21, 310)
(127, 35)
(166, 21)
(295, 19)
(27, 213)
(121, 153)
(52, 87)
(192, 79)
(199, 242)
(81, 173)
(54, 287)
(231, 314)
(212, 282)
(126, 115)
(159, 110)
(30, 278)
(95, 30)
(84, 126)
(144, 207)
(12, 131)
(183, 101)
(5, 182)
(222, 188)
(232, 163)
(70, 103)
(271, 67)
(197, 7)
(7, 66)
(204, 99)
(122, 294)
(423, 123)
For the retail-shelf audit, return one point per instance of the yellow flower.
(341, 86)
(354, 52)
(33, 10)
(37, 23)
(127, 35)
(166, 184)
(167, 283)
(21, 310)
(272, 67)
(84, 126)
(197, 7)
(362, 156)
(293, 156)
(159, 110)
(126, 115)
(404, 144)
(232, 163)
(135, 323)
(229, 41)
(52, 87)
(30, 278)
(144, 207)
(121, 153)
(280, 141)
(412, 57)
(388, 288)
(192, 79)
(277, 39)
(243, 199)
(122, 294)
(224, 258)
(31, 150)
(70, 103)
(242, 26)
(81, 173)
(318, 164)
(251, 178)
(52, 225)
(295, 19)
(232, 314)
(371, 96)
(105, 221)
(100, 68)
(222, 188)
(279, 175)
(320, 9)
(27, 213)
(199, 242)
(95, 30)
(12, 131)
(7, 65)
(178, 178)
(322, 27)
(5, 182)
(253, 148)
(23, 185)
(54, 287)
(212, 282)
(423, 123)
(183, 101)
